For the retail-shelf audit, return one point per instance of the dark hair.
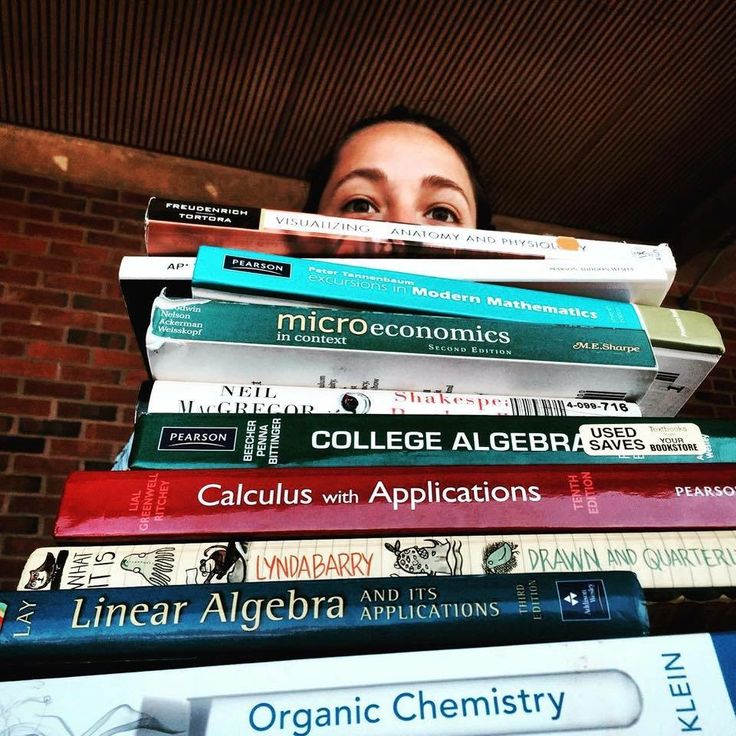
(319, 174)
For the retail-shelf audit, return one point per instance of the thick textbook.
(308, 618)
(175, 227)
(204, 340)
(247, 276)
(300, 440)
(330, 502)
(696, 565)
(196, 397)
(659, 686)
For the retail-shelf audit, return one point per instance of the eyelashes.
(436, 214)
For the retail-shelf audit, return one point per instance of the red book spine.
(325, 502)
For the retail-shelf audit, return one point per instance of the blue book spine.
(231, 273)
(292, 619)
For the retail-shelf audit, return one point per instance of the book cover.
(245, 275)
(176, 227)
(300, 440)
(308, 618)
(656, 686)
(205, 340)
(188, 397)
(695, 565)
(336, 502)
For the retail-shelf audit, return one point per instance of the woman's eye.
(359, 206)
(442, 214)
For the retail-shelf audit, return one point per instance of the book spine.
(319, 617)
(192, 397)
(235, 275)
(177, 228)
(701, 564)
(300, 440)
(327, 502)
(639, 687)
(204, 340)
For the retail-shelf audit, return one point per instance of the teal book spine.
(261, 440)
(235, 273)
(303, 618)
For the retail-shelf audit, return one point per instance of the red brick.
(55, 389)
(83, 449)
(33, 505)
(27, 368)
(111, 394)
(114, 323)
(108, 272)
(112, 432)
(20, 546)
(97, 304)
(12, 348)
(15, 193)
(37, 296)
(57, 201)
(128, 416)
(89, 221)
(26, 212)
(89, 191)
(55, 485)
(83, 252)
(29, 180)
(119, 211)
(76, 284)
(23, 245)
(18, 276)
(16, 311)
(8, 385)
(116, 359)
(87, 410)
(92, 375)
(22, 483)
(54, 231)
(68, 318)
(32, 331)
(725, 412)
(45, 466)
(42, 263)
(64, 353)
(135, 229)
(8, 225)
(134, 245)
(136, 198)
(134, 378)
(18, 524)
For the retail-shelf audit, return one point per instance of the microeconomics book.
(335, 502)
(300, 440)
(659, 686)
(205, 340)
(309, 618)
(246, 276)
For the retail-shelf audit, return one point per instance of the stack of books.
(449, 501)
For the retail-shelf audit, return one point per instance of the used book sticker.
(681, 438)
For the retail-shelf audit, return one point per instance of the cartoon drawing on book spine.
(500, 557)
(155, 566)
(46, 575)
(355, 403)
(223, 563)
(436, 558)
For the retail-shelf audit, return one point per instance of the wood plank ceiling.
(611, 115)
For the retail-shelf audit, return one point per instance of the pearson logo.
(257, 265)
(198, 438)
(583, 600)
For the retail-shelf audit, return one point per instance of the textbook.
(248, 276)
(694, 565)
(300, 440)
(658, 686)
(201, 397)
(320, 617)
(175, 227)
(687, 345)
(337, 502)
(203, 340)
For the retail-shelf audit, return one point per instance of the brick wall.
(69, 366)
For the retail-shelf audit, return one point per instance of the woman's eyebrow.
(441, 182)
(375, 175)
